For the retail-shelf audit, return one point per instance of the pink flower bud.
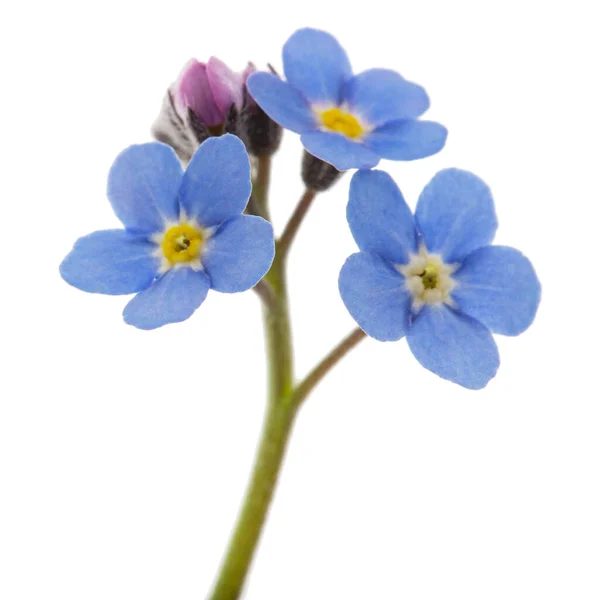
(209, 99)
(209, 90)
(227, 87)
(193, 90)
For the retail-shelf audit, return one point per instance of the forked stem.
(282, 406)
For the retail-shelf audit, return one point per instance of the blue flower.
(433, 277)
(349, 121)
(184, 233)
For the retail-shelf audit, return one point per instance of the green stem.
(279, 416)
(260, 188)
(275, 435)
(276, 431)
(289, 233)
(278, 333)
(282, 407)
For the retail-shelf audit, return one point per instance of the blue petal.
(407, 140)
(374, 295)
(216, 185)
(381, 95)
(454, 346)
(379, 218)
(455, 214)
(110, 262)
(282, 102)
(498, 286)
(316, 64)
(240, 253)
(171, 299)
(142, 187)
(339, 151)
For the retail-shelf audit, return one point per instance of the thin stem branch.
(289, 233)
(332, 359)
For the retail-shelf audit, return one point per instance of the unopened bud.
(259, 132)
(317, 174)
(205, 101)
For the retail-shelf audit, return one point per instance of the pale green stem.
(275, 435)
(282, 406)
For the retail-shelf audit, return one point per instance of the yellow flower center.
(342, 122)
(428, 279)
(182, 243)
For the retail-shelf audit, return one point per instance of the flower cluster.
(433, 277)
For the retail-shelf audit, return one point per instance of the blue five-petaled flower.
(434, 277)
(348, 121)
(184, 232)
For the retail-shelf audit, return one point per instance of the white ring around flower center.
(428, 279)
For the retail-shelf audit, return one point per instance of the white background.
(124, 454)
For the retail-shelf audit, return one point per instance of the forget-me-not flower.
(434, 277)
(350, 121)
(184, 232)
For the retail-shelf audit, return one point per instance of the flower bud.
(259, 132)
(317, 174)
(205, 101)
